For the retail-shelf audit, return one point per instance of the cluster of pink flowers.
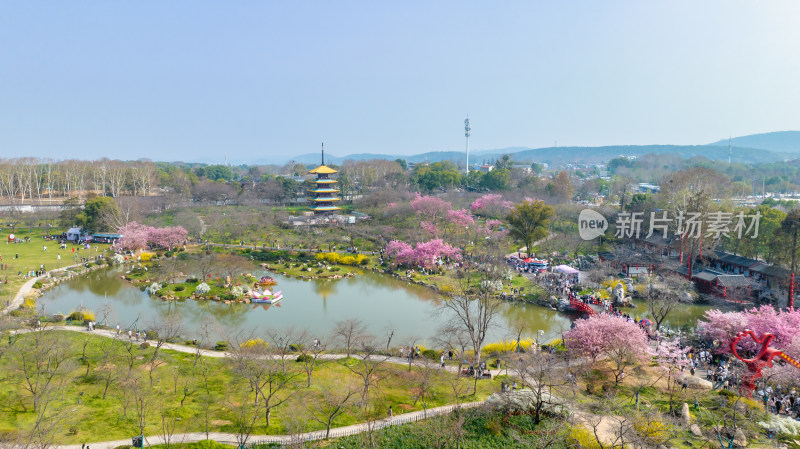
(460, 217)
(430, 207)
(136, 236)
(491, 204)
(429, 227)
(605, 334)
(424, 254)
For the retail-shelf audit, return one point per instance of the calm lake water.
(380, 301)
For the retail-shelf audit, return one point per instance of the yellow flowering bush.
(146, 257)
(506, 346)
(581, 438)
(653, 430)
(255, 343)
(347, 260)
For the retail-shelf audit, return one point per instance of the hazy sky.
(192, 80)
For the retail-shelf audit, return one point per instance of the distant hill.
(780, 141)
(564, 155)
(768, 147)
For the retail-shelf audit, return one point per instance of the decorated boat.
(267, 281)
(265, 297)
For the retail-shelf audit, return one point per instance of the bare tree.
(40, 358)
(336, 398)
(269, 379)
(351, 333)
(311, 349)
(473, 310)
(541, 372)
(245, 414)
(106, 368)
(168, 422)
(663, 296)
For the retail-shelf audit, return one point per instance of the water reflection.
(380, 301)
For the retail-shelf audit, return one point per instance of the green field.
(73, 400)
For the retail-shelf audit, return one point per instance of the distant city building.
(325, 191)
(643, 187)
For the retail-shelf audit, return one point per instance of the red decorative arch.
(762, 358)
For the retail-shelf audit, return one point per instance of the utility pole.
(729, 150)
(467, 130)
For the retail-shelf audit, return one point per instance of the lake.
(380, 301)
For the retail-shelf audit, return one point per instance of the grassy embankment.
(78, 387)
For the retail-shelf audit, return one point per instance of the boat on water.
(265, 297)
(267, 281)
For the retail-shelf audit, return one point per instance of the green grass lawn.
(31, 256)
(77, 402)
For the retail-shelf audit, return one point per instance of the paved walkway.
(222, 354)
(230, 438)
(28, 286)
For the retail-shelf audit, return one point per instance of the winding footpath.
(16, 303)
(230, 438)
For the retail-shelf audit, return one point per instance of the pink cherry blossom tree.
(168, 237)
(429, 207)
(424, 254)
(491, 205)
(672, 360)
(134, 237)
(430, 228)
(460, 218)
(621, 342)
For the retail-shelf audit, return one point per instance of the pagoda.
(325, 199)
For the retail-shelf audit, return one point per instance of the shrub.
(237, 291)
(183, 256)
(222, 346)
(144, 345)
(652, 430)
(57, 318)
(9, 435)
(178, 288)
(29, 303)
(192, 281)
(580, 437)
(81, 315)
(228, 297)
(202, 288)
(347, 260)
(152, 335)
(37, 284)
(332, 257)
(431, 354)
(154, 288)
(146, 257)
(507, 346)
(304, 358)
(255, 343)
(362, 259)
(73, 430)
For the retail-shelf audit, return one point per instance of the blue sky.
(193, 80)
